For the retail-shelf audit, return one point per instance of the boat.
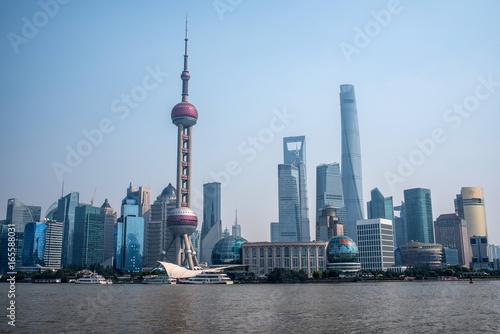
(93, 278)
(206, 278)
(158, 279)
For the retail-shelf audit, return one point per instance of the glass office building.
(289, 203)
(66, 214)
(130, 237)
(211, 229)
(329, 190)
(88, 236)
(352, 181)
(34, 244)
(419, 222)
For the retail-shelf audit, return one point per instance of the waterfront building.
(157, 236)
(400, 231)
(4, 246)
(182, 221)
(196, 241)
(415, 254)
(419, 221)
(451, 232)
(53, 243)
(236, 228)
(88, 237)
(51, 213)
(66, 214)
(328, 224)
(143, 195)
(342, 254)
(211, 229)
(275, 231)
(294, 154)
(450, 257)
(20, 214)
(34, 244)
(469, 205)
(352, 181)
(329, 190)
(263, 257)
(494, 252)
(480, 256)
(129, 237)
(375, 244)
(228, 251)
(109, 218)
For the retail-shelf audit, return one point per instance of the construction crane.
(92, 199)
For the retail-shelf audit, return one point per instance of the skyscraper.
(419, 222)
(451, 232)
(53, 244)
(143, 195)
(109, 228)
(158, 237)
(375, 244)
(328, 224)
(294, 222)
(400, 233)
(130, 236)
(182, 221)
(469, 205)
(329, 190)
(34, 244)
(380, 206)
(236, 232)
(289, 204)
(211, 229)
(352, 182)
(20, 215)
(66, 214)
(88, 240)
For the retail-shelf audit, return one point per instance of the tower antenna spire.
(185, 73)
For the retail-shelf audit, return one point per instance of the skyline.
(250, 69)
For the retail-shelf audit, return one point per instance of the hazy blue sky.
(71, 70)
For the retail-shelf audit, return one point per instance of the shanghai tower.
(351, 160)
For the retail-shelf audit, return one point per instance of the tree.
(317, 274)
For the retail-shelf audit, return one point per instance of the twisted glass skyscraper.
(351, 160)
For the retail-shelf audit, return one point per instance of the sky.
(88, 87)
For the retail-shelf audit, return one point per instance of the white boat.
(158, 279)
(206, 278)
(93, 278)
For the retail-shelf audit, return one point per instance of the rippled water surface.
(395, 307)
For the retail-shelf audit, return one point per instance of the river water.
(378, 307)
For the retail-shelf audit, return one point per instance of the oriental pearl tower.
(182, 221)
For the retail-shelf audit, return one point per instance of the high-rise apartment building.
(352, 181)
(419, 221)
(129, 237)
(451, 232)
(88, 240)
(211, 229)
(329, 190)
(66, 214)
(158, 236)
(375, 244)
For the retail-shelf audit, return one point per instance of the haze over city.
(427, 90)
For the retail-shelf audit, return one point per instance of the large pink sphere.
(182, 221)
(184, 113)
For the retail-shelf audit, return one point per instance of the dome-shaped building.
(342, 254)
(227, 251)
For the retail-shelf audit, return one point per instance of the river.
(362, 307)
